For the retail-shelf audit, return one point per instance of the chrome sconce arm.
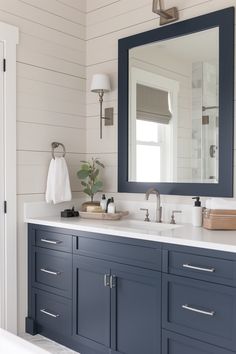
(166, 16)
(101, 84)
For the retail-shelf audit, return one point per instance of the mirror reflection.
(174, 110)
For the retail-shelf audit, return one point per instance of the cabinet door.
(91, 321)
(136, 310)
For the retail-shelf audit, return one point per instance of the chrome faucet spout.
(158, 204)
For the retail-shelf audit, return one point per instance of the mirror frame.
(224, 20)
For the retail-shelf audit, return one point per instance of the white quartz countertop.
(185, 235)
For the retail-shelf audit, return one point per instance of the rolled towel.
(58, 182)
(220, 203)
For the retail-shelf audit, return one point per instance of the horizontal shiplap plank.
(49, 91)
(27, 71)
(28, 100)
(36, 137)
(42, 46)
(28, 56)
(79, 5)
(27, 26)
(60, 9)
(39, 16)
(99, 4)
(31, 115)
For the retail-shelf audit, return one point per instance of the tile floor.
(48, 345)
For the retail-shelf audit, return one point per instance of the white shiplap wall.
(50, 101)
(108, 21)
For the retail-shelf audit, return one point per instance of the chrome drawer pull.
(49, 271)
(189, 308)
(50, 241)
(209, 270)
(49, 313)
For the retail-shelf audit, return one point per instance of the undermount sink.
(149, 226)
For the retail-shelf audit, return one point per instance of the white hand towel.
(58, 182)
(220, 203)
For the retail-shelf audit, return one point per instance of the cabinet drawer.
(211, 269)
(200, 310)
(53, 240)
(53, 313)
(173, 343)
(141, 256)
(52, 271)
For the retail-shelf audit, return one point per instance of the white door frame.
(9, 35)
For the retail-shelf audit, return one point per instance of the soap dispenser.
(197, 213)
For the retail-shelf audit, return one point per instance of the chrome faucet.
(158, 205)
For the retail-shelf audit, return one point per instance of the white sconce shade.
(100, 82)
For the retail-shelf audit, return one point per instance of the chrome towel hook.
(55, 145)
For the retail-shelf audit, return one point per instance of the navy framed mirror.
(176, 108)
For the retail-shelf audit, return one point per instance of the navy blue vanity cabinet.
(104, 294)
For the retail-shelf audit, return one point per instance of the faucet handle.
(147, 214)
(173, 215)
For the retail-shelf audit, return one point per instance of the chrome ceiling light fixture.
(166, 16)
(101, 84)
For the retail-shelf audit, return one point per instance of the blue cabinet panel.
(200, 310)
(53, 313)
(132, 254)
(207, 268)
(91, 302)
(53, 240)
(52, 271)
(136, 310)
(173, 343)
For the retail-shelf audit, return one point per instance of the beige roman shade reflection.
(152, 105)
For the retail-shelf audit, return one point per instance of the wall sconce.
(101, 84)
(166, 16)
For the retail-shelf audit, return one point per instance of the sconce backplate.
(173, 12)
(109, 116)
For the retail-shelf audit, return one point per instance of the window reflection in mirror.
(174, 110)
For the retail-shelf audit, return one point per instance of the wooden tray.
(214, 219)
(103, 216)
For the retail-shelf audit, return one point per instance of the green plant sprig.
(88, 173)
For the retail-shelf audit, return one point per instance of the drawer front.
(141, 256)
(53, 313)
(173, 343)
(201, 267)
(200, 310)
(52, 271)
(53, 240)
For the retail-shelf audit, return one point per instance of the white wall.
(108, 21)
(50, 100)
